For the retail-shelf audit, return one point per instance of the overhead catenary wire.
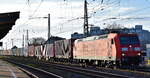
(37, 8)
(36, 11)
(42, 0)
(77, 18)
(26, 22)
(63, 28)
(28, 2)
(129, 13)
(103, 8)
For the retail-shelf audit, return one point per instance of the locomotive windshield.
(129, 40)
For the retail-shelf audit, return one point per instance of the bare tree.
(114, 25)
(114, 28)
(36, 41)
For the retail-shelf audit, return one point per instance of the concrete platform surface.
(9, 71)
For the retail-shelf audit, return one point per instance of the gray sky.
(64, 10)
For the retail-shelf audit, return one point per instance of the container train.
(111, 49)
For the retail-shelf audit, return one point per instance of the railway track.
(90, 72)
(104, 72)
(38, 73)
(34, 72)
(143, 70)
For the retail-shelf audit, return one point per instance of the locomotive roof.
(133, 34)
(93, 38)
(104, 36)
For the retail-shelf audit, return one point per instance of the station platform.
(9, 71)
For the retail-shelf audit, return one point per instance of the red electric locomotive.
(108, 50)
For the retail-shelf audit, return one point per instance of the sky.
(64, 14)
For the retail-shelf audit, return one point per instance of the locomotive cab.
(129, 48)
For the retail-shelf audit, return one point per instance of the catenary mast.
(86, 27)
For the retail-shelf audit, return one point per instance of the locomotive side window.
(112, 41)
(129, 40)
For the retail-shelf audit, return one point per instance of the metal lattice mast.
(86, 28)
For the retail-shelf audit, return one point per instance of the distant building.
(138, 27)
(77, 35)
(36, 41)
(52, 39)
(95, 31)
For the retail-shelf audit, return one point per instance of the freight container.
(31, 50)
(7, 52)
(38, 51)
(17, 52)
(48, 51)
(64, 48)
(1, 52)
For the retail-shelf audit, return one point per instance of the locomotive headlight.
(123, 54)
(137, 49)
(124, 49)
(139, 54)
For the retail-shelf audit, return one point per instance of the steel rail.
(92, 73)
(35, 72)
